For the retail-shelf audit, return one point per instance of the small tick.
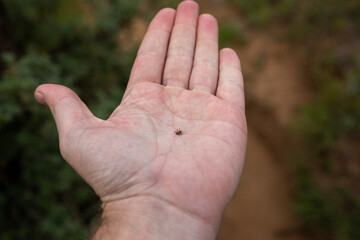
(178, 131)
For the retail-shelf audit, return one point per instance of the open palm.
(179, 134)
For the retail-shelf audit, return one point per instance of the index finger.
(149, 63)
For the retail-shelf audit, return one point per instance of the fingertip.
(208, 24)
(228, 51)
(65, 104)
(193, 2)
(189, 6)
(47, 94)
(163, 19)
(208, 29)
(230, 58)
(40, 93)
(167, 11)
(206, 17)
(39, 97)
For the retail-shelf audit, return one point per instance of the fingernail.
(40, 98)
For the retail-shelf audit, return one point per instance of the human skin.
(154, 183)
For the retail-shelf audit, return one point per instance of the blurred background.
(301, 64)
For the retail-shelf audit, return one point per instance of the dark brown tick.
(178, 131)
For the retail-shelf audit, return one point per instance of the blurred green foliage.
(329, 122)
(74, 43)
(329, 127)
(164, 3)
(327, 181)
(334, 213)
(231, 34)
(256, 12)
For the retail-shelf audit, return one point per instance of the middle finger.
(182, 44)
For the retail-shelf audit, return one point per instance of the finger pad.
(207, 26)
(163, 19)
(229, 58)
(187, 10)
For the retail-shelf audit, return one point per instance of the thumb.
(66, 107)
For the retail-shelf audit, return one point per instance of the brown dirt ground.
(261, 207)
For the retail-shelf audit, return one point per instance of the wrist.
(151, 218)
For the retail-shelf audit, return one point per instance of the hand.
(145, 171)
